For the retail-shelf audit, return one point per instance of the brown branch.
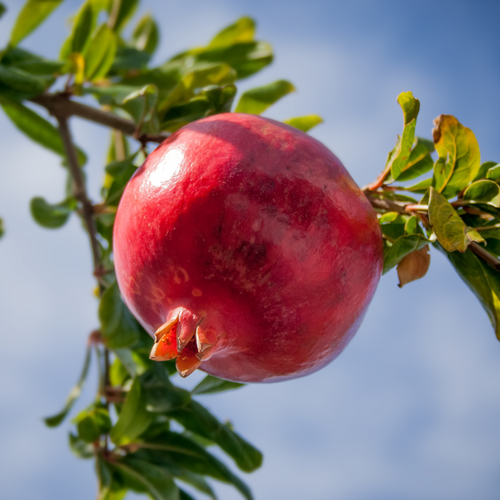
(79, 190)
(60, 105)
(490, 259)
(485, 255)
(388, 205)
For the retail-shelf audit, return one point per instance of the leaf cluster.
(456, 207)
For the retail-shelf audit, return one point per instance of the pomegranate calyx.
(165, 346)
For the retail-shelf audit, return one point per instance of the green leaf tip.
(31, 16)
(304, 123)
(255, 101)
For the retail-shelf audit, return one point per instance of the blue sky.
(411, 409)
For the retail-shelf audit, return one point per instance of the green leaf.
(459, 157)
(120, 13)
(304, 123)
(21, 81)
(403, 246)
(82, 28)
(141, 103)
(2, 231)
(401, 154)
(74, 394)
(450, 229)
(179, 453)
(134, 419)
(52, 216)
(484, 191)
(199, 420)
(80, 448)
(119, 168)
(255, 101)
(126, 359)
(483, 169)
(31, 16)
(129, 58)
(101, 54)
(493, 172)
(2, 9)
(202, 76)
(161, 395)
(211, 385)
(482, 280)
(92, 424)
(37, 128)
(420, 187)
(420, 160)
(104, 477)
(393, 225)
(31, 63)
(243, 30)
(146, 35)
(118, 327)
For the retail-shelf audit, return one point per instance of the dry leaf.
(414, 266)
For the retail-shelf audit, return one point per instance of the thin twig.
(60, 105)
(79, 190)
(485, 255)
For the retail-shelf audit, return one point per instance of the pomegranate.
(246, 249)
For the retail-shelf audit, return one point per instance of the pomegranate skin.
(259, 232)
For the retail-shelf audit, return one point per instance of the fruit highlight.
(246, 249)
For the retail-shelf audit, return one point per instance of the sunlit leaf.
(204, 75)
(483, 169)
(243, 30)
(118, 327)
(31, 16)
(450, 229)
(420, 187)
(134, 419)
(211, 385)
(120, 13)
(82, 28)
(484, 191)
(255, 101)
(52, 216)
(304, 123)
(101, 53)
(401, 154)
(146, 35)
(459, 157)
(74, 394)
(493, 171)
(1, 228)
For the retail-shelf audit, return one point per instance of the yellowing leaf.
(450, 229)
(243, 30)
(459, 151)
(304, 123)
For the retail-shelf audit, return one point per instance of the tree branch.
(60, 105)
(79, 189)
(390, 206)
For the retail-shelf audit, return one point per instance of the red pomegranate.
(244, 246)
